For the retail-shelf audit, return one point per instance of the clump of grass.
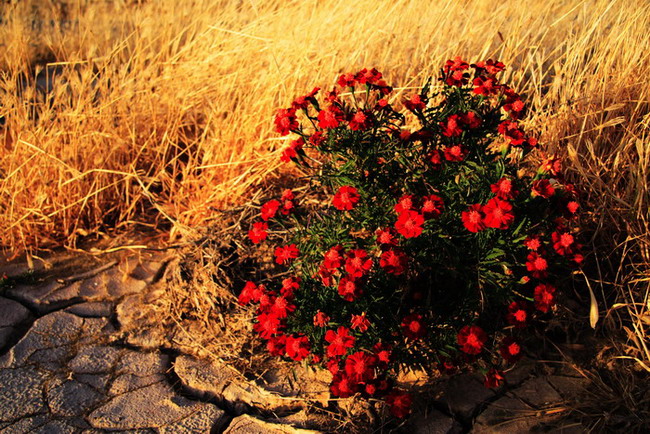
(160, 112)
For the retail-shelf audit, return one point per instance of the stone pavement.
(65, 367)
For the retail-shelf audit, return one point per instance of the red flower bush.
(435, 246)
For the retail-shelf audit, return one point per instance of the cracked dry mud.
(65, 367)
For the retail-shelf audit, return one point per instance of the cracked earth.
(66, 366)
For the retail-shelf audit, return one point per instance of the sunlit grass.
(161, 111)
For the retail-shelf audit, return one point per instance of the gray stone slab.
(6, 335)
(464, 394)
(21, 393)
(210, 419)
(51, 331)
(96, 330)
(219, 380)
(52, 359)
(431, 421)
(58, 427)
(33, 294)
(246, 424)
(26, 424)
(154, 406)
(12, 313)
(537, 392)
(96, 381)
(92, 309)
(71, 398)
(94, 359)
(143, 363)
(128, 382)
(568, 387)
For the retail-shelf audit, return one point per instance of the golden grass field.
(160, 112)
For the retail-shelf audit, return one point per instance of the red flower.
(332, 96)
(533, 243)
(258, 233)
(578, 258)
(289, 285)
(455, 153)
(412, 326)
(471, 120)
(471, 339)
(498, 214)
(321, 319)
(504, 189)
(473, 218)
(251, 292)
(360, 121)
(450, 127)
(543, 188)
(343, 386)
(366, 76)
(302, 102)
(325, 276)
(330, 118)
(346, 198)
(333, 258)
(409, 224)
(333, 365)
(297, 347)
(447, 366)
(415, 103)
(513, 103)
(490, 67)
(349, 289)
(357, 263)
(270, 209)
(510, 130)
(563, 243)
(292, 150)
(285, 121)
(485, 86)
(386, 237)
(454, 70)
(537, 265)
(399, 403)
(276, 345)
(510, 349)
(457, 78)
(360, 366)
(405, 203)
(572, 206)
(339, 342)
(346, 80)
(267, 325)
(317, 139)
(285, 254)
(383, 352)
(288, 195)
(281, 307)
(455, 64)
(518, 314)
(552, 165)
(515, 108)
(544, 297)
(494, 378)
(394, 261)
(359, 322)
(435, 157)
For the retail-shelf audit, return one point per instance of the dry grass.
(161, 111)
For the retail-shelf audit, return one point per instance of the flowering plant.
(432, 247)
